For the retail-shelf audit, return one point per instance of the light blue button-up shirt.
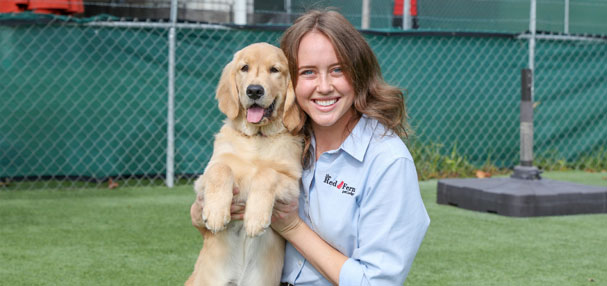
(364, 200)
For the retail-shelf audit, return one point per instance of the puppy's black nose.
(255, 91)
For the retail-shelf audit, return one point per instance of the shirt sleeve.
(392, 225)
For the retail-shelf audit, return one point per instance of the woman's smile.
(325, 102)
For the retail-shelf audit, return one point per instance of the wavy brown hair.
(374, 97)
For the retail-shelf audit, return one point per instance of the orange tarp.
(61, 7)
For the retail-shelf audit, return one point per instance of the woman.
(360, 218)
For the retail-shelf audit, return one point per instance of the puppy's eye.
(245, 68)
(273, 70)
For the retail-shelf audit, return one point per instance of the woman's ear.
(293, 118)
(227, 92)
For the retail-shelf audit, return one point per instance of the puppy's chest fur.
(250, 156)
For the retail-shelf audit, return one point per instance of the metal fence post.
(170, 176)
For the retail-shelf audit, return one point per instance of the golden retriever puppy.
(257, 152)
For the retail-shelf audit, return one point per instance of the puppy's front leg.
(260, 201)
(216, 183)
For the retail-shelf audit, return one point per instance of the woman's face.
(322, 90)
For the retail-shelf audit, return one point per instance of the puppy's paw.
(215, 220)
(256, 223)
(216, 213)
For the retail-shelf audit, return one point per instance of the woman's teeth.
(326, 102)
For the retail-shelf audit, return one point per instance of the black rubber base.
(522, 198)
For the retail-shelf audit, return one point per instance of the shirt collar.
(357, 142)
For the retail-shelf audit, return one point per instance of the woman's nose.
(324, 84)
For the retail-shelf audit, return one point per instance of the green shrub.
(433, 161)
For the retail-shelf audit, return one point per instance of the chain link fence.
(84, 100)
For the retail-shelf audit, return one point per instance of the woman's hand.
(236, 210)
(285, 217)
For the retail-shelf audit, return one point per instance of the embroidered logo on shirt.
(340, 185)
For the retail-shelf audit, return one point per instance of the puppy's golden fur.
(257, 152)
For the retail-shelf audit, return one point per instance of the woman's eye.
(273, 70)
(337, 70)
(307, 72)
(245, 68)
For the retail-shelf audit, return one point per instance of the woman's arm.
(326, 259)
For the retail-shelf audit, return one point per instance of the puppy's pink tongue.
(255, 114)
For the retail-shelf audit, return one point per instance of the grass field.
(143, 236)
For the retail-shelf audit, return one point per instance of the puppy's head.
(256, 92)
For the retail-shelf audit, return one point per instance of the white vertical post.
(526, 119)
(566, 20)
(240, 12)
(407, 15)
(527, 96)
(532, 20)
(366, 14)
(170, 165)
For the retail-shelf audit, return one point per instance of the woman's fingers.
(196, 215)
(237, 211)
(237, 208)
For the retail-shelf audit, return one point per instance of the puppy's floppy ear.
(227, 91)
(293, 118)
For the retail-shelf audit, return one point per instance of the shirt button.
(299, 263)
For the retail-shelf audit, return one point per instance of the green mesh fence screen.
(585, 16)
(84, 100)
(81, 101)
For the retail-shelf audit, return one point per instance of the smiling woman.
(360, 219)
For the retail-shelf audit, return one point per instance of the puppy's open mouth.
(256, 113)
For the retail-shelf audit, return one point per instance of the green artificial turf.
(125, 236)
(464, 247)
(143, 236)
